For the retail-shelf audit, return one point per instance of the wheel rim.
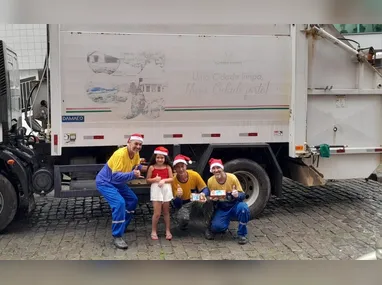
(1, 202)
(250, 185)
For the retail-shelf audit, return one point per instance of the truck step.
(82, 185)
(87, 188)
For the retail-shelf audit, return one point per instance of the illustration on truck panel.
(138, 83)
(169, 79)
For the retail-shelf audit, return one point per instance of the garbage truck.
(271, 101)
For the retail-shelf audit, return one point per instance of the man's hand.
(203, 198)
(179, 191)
(144, 168)
(235, 193)
(137, 173)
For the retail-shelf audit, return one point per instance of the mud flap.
(304, 174)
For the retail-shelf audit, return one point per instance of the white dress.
(162, 194)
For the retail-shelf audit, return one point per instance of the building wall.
(29, 41)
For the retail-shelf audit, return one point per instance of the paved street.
(338, 221)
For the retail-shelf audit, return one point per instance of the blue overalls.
(111, 183)
(227, 210)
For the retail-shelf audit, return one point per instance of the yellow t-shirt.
(195, 181)
(121, 162)
(228, 184)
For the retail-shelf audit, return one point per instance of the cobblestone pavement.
(339, 221)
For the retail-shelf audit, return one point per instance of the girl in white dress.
(160, 176)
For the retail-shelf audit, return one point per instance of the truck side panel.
(204, 89)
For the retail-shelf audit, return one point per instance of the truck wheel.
(255, 182)
(8, 202)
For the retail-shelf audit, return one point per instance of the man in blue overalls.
(123, 166)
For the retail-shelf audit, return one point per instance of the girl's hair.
(167, 160)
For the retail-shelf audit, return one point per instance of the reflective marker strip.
(55, 143)
(360, 150)
(167, 136)
(97, 137)
(211, 135)
(248, 134)
(356, 150)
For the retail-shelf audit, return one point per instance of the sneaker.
(208, 234)
(242, 240)
(120, 243)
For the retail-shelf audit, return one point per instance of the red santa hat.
(181, 159)
(136, 137)
(161, 150)
(215, 162)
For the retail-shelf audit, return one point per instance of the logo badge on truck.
(73, 119)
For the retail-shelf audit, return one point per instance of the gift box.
(221, 194)
(195, 197)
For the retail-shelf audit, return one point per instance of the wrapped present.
(195, 197)
(221, 194)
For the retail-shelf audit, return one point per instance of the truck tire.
(8, 202)
(255, 182)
